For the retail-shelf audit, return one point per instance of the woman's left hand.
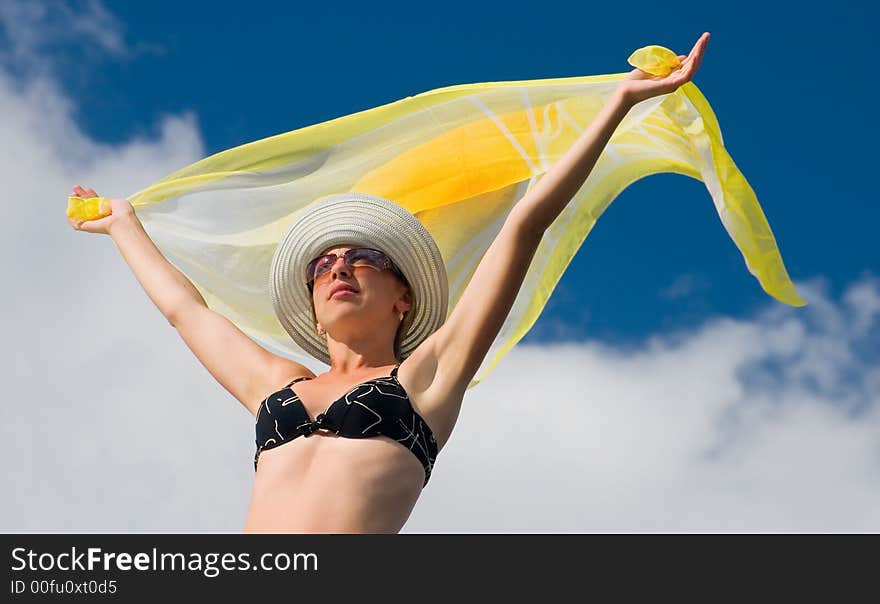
(639, 85)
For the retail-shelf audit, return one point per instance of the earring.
(321, 331)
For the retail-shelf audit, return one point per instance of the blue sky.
(791, 90)
(661, 389)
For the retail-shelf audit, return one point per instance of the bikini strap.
(299, 379)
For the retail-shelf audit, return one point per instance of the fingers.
(84, 193)
(699, 45)
(690, 63)
(696, 56)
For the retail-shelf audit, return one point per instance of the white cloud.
(80, 335)
(110, 423)
(769, 424)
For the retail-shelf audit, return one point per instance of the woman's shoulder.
(285, 370)
(281, 372)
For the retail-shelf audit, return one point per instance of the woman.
(359, 284)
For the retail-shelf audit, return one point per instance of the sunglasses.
(353, 258)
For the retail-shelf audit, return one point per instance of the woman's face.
(378, 299)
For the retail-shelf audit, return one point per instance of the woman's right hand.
(120, 210)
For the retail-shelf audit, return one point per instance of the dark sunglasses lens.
(361, 256)
(318, 267)
(366, 257)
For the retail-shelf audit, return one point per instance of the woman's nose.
(340, 267)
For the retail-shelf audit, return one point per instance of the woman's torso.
(332, 484)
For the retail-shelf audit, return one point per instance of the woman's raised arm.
(243, 367)
(540, 207)
(166, 286)
(457, 349)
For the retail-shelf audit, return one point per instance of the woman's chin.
(345, 314)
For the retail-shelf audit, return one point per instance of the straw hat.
(364, 220)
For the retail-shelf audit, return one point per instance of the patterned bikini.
(376, 407)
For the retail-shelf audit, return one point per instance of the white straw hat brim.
(358, 219)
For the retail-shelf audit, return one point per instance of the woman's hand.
(639, 85)
(120, 210)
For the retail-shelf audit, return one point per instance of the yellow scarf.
(458, 158)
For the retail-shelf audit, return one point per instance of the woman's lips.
(343, 292)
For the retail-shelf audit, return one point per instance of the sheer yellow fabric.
(458, 158)
(87, 208)
(656, 60)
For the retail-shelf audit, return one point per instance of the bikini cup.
(365, 410)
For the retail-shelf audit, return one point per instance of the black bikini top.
(376, 407)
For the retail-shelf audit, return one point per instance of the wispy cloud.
(769, 423)
(38, 37)
(681, 287)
